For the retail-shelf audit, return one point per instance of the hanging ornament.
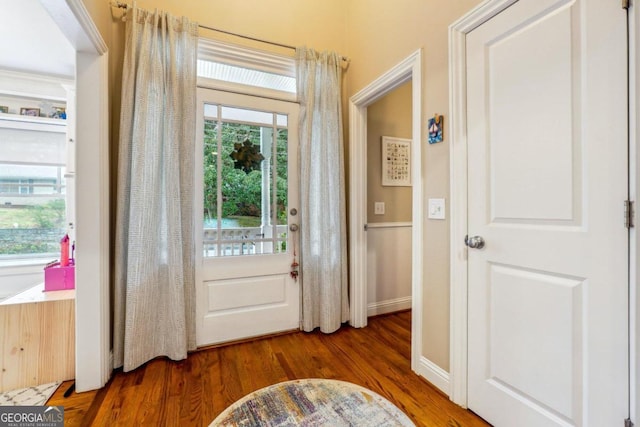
(246, 156)
(294, 265)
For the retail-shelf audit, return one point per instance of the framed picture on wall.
(396, 162)
(33, 112)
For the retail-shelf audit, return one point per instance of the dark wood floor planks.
(194, 391)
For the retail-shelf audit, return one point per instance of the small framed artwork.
(396, 162)
(58, 113)
(33, 112)
(4, 109)
(435, 128)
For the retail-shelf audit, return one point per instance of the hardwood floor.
(194, 391)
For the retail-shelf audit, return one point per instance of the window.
(245, 181)
(246, 76)
(245, 151)
(32, 186)
(230, 67)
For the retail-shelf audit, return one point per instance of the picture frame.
(4, 109)
(396, 162)
(31, 112)
(435, 125)
(59, 113)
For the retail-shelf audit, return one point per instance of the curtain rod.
(125, 6)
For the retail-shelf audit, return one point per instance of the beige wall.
(376, 34)
(101, 14)
(380, 34)
(389, 116)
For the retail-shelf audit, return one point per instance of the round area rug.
(312, 402)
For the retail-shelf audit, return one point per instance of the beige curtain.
(154, 261)
(325, 302)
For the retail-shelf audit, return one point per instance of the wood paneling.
(194, 391)
(37, 344)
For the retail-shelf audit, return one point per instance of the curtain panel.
(154, 291)
(325, 291)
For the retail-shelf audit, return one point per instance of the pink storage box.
(57, 278)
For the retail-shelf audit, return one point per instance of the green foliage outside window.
(33, 229)
(241, 191)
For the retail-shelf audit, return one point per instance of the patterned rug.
(312, 402)
(30, 396)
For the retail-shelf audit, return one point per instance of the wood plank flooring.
(194, 391)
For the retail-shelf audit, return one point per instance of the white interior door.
(547, 168)
(246, 200)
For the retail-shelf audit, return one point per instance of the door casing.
(94, 361)
(407, 70)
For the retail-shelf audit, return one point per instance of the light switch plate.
(378, 208)
(436, 209)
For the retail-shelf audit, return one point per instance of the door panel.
(247, 191)
(544, 192)
(547, 180)
(249, 306)
(523, 341)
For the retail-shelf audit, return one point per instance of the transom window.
(239, 69)
(246, 76)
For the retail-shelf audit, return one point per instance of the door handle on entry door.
(475, 242)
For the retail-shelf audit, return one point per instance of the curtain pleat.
(325, 291)
(154, 294)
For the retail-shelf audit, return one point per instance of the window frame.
(250, 58)
(18, 89)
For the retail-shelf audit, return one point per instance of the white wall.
(388, 267)
(15, 279)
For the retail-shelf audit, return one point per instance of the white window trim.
(241, 56)
(40, 88)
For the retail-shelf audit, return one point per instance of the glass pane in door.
(245, 165)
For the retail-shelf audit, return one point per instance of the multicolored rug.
(30, 396)
(312, 402)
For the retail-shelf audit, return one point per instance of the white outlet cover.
(436, 209)
(378, 208)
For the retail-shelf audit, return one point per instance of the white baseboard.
(389, 306)
(434, 374)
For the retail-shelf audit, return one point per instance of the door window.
(245, 181)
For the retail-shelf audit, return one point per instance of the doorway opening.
(389, 202)
(407, 70)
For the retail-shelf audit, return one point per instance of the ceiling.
(32, 41)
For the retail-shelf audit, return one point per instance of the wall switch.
(436, 209)
(378, 208)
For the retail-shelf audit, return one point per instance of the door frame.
(236, 265)
(94, 361)
(458, 190)
(634, 237)
(410, 69)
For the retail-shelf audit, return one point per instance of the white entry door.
(246, 200)
(547, 168)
